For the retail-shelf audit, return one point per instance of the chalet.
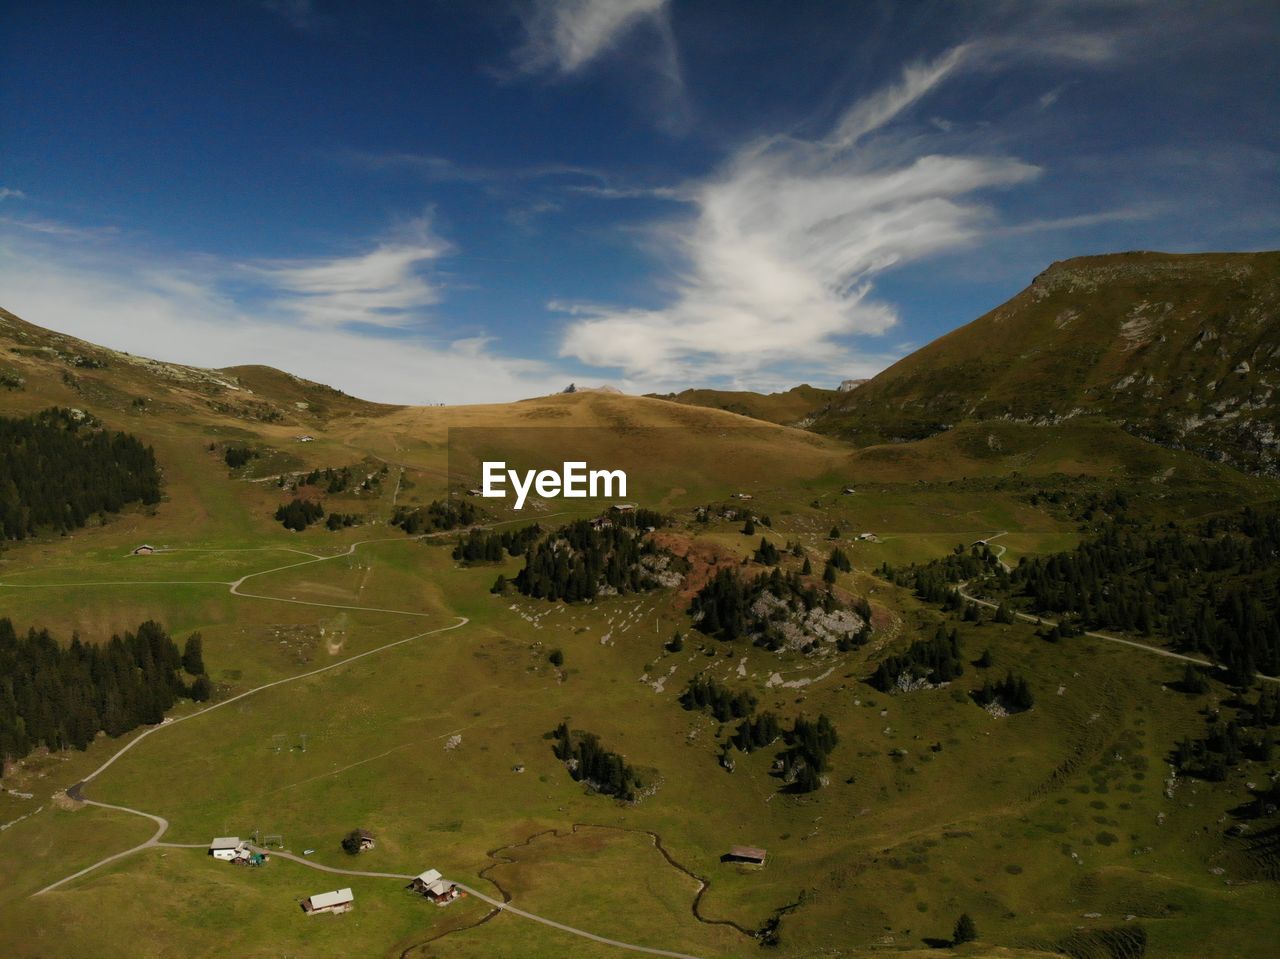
(849, 491)
(751, 855)
(144, 550)
(868, 537)
(365, 839)
(435, 887)
(340, 900)
(228, 848)
(742, 496)
(475, 492)
(306, 439)
(623, 507)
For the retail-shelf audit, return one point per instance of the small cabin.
(435, 887)
(339, 900)
(304, 438)
(742, 496)
(144, 550)
(365, 839)
(227, 848)
(848, 491)
(750, 855)
(623, 507)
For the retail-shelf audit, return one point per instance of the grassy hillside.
(1053, 828)
(1181, 349)
(794, 407)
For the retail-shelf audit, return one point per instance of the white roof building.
(226, 847)
(430, 876)
(339, 899)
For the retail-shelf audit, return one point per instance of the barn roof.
(338, 897)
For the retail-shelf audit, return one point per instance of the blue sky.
(466, 202)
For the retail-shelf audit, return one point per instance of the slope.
(794, 407)
(1181, 349)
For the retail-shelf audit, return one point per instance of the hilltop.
(794, 407)
(1179, 348)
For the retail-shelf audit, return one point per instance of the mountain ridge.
(1182, 349)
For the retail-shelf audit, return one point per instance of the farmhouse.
(306, 439)
(339, 900)
(144, 550)
(227, 848)
(623, 507)
(365, 840)
(752, 855)
(435, 887)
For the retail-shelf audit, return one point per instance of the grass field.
(1044, 825)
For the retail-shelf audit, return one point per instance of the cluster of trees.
(59, 468)
(640, 518)
(488, 546)
(589, 762)
(298, 514)
(236, 456)
(716, 698)
(1210, 588)
(808, 745)
(936, 660)
(728, 608)
(934, 581)
(1012, 692)
(767, 554)
(1249, 736)
(580, 559)
(332, 480)
(837, 563)
(61, 696)
(756, 733)
(336, 521)
(435, 517)
(807, 756)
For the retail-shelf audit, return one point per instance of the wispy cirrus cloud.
(8, 193)
(384, 286)
(564, 36)
(775, 265)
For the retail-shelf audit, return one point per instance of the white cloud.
(194, 312)
(567, 35)
(777, 259)
(381, 287)
(6, 193)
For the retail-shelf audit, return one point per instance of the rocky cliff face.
(1183, 350)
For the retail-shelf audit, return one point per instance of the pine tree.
(193, 655)
(965, 930)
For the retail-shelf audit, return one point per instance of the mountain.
(39, 367)
(1180, 349)
(794, 407)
